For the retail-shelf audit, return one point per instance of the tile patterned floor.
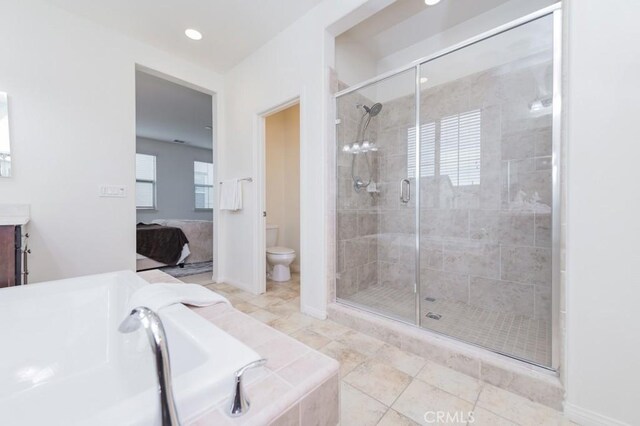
(381, 384)
(511, 334)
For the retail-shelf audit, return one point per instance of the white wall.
(355, 64)
(486, 21)
(175, 196)
(71, 87)
(293, 64)
(603, 229)
(283, 177)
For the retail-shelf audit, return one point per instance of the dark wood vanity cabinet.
(10, 256)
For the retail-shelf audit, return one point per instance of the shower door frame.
(555, 11)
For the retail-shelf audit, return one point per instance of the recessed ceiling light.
(431, 2)
(193, 34)
(423, 79)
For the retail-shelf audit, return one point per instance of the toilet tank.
(272, 235)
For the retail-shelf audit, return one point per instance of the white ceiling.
(166, 111)
(406, 22)
(232, 29)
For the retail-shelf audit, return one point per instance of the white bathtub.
(63, 362)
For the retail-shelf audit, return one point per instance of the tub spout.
(150, 321)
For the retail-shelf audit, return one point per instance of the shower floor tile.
(510, 334)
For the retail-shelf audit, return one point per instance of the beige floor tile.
(204, 278)
(378, 380)
(311, 338)
(283, 293)
(361, 342)
(291, 323)
(482, 417)
(328, 328)
(452, 381)
(245, 307)
(348, 358)
(283, 309)
(265, 300)
(393, 418)
(263, 316)
(516, 408)
(404, 361)
(359, 409)
(421, 399)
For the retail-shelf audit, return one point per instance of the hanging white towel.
(231, 195)
(157, 296)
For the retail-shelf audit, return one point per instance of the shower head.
(374, 110)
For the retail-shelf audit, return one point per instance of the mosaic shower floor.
(515, 335)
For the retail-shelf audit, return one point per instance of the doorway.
(175, 177)
(282, 199)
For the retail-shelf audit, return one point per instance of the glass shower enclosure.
(448, 191)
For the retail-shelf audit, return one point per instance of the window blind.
(459, 148)
(203, 184)
(145, 181)
(427, 150)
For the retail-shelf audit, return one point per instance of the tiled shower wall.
(485, 245)
(357, 219)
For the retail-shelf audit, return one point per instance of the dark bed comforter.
(160, 243)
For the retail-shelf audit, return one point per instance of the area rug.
(189, 269)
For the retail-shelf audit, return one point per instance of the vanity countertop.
(14, 214)
(14, 220)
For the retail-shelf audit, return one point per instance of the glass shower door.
(376, 214)
(486, 192)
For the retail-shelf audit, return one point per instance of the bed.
(177, 241)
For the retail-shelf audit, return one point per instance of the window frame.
(152, 182)
(199, 185)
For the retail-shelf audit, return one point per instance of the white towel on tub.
(231, 195)
(157, 296)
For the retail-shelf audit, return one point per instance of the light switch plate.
(113, 191)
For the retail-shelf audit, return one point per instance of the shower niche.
(447, 193)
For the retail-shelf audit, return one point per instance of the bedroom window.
(145, 181)
(203, 185)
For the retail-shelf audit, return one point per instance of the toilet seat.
(280, 250)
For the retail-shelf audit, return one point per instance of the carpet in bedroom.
(189, 269)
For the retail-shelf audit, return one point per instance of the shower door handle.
(405, 190)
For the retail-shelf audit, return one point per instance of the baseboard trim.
(241, 285)
(314, 312)
(589, 418)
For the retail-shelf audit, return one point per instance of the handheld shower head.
(374, 110)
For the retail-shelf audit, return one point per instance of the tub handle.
(239, 402)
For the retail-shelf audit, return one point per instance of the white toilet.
(279, 258)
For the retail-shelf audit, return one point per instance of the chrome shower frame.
(555, 11)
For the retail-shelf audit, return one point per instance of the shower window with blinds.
(145, 181)
(458, 148)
